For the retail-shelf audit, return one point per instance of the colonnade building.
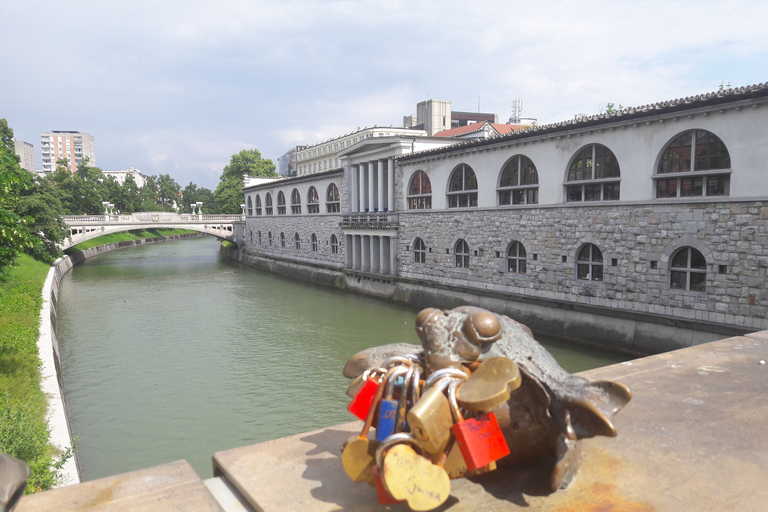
(644, 229)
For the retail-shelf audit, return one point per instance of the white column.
(354, 191)
(366, 243)
(363, 170)
(375, 255)
(391, 185)
(380, 178)
(350, 251)
(371, 181)
(384, 256)
(393, 255)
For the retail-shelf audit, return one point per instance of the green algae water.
(172, 351)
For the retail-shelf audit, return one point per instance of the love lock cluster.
(428, 431)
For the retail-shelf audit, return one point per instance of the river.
(172, 351)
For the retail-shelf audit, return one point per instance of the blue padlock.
(388, 406)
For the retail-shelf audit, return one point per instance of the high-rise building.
(26, 152)
(69, 145)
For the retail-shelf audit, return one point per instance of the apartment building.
(26, 152)
(69, 145)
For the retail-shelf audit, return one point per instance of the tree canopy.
(229, 193)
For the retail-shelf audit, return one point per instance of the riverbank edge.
(51, 376)
(638, 334)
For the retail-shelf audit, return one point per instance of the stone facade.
(624, 217)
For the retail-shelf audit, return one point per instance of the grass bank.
(23, 406)
(127, 235)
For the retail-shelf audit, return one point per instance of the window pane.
(697, 260)
(512, 265)
(666, 188)
(698, 281)
(505, 196)
(574, 193)
(470, 180)
(680, 259)
(585, 253)
(718, 185)
(532, 196)
(582, 271)
(690, 187)
(597, 255)
(510, 176)
(581, 168)
(606, 165)
(592, 192)
(457, 180)
(677, 280)
(521, 265)
(597, 272)
(518, 197)
(528, 174)
(610, 191)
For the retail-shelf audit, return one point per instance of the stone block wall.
(636, 240)
(321, 225)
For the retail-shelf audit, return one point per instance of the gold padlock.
(490, 385)
(430, 418)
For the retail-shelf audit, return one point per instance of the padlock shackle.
(376, 400)
(402, 404)
(443, 373)
(407, 359)
(396, 438)
(458, 417)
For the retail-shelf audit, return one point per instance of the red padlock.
(480, 439)
(381, 492)
(363, 400)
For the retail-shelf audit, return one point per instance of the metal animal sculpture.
(546, 417)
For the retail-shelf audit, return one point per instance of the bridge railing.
(144, 217)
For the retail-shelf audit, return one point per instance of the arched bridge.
(86, 227)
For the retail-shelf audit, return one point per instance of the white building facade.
(71, 146)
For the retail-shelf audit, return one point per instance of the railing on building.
(369, 221)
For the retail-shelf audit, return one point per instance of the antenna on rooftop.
(517, 109)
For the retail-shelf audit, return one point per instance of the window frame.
(680, 184)
(334, 244)
(419, 251)
(461, 253)
(250, 206)
(520, 260)
(282, 239)
(422, 200)
(332, 199)
(296, 241)
(507, 195)
(313, 242)
(268, 205)
(589, 269)
(688, 271)
(587, 187)
(258, 204)
(313, 201)
(465, 197)
(280, 203)
(295, 202)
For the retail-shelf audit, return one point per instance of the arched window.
(420, 192)
(519, 183)
(462, 187)
(282, 239)
(280, 203)
(594, 175)
(696, 152)
(688, 270)
(314, 242)
(313, 201)
(268, 207)
(269, 236)
(516, 258)
(258, 204)
(461, 251)
(334, 244)
(419, 251)
(295, 202)
(297, 241)
(332, 203)
(250, 206)
(259, 237)
(589, 263)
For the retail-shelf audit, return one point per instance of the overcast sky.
(177, 87)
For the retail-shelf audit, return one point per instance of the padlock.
(455, 465)
(357, 384)
(408, 396)
(430, 418)
(480, 439)
(490, 385)
(382, 494)
(361, 403)
(388, 406)
(358, 454)
(409, 476)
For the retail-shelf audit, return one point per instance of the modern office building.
(69, 145)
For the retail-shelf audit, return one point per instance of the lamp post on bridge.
(199, 205)
(105, 204)
(242, 207)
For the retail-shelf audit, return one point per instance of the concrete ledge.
(693, 438)
(173, 486)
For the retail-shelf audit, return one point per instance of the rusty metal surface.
(173, 486)
(693, 438)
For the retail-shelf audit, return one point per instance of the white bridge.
(86, 227)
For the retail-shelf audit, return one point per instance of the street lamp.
(105, 204)
(242, 206)
(199, 207)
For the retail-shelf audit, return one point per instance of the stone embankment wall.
(51, 378)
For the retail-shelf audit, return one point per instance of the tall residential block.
(70, 145)
(26, 152)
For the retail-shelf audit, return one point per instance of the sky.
(178, 87)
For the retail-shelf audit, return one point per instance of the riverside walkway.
(86, 227)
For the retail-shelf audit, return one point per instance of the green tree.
(15, 235)
(167, 191)
(229, 192)
(41, 204)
